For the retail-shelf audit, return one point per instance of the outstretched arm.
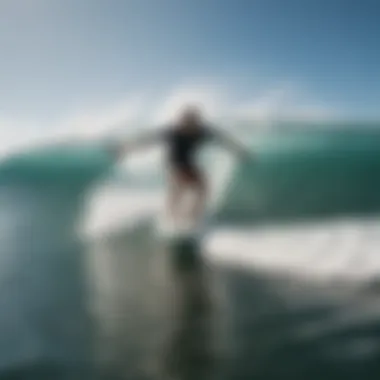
(230, 143)
(140, 142)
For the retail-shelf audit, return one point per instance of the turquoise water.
(47, 297)
(295, 174)
(307, 175)
(65, 163)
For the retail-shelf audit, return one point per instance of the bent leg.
(174, 197)
(200, 198)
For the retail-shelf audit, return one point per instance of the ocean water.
(284, 286)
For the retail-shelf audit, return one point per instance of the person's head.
(190, 117)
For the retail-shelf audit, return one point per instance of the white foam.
(342, 249)
(337, 249)
(110, 209)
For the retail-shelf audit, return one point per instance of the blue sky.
(60, 57)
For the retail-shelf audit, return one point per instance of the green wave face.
(57, 164)
(298, 174)
(307, 175)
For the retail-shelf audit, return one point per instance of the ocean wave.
(45, 196)
(306, 175)
(300, 174)
(60, 162)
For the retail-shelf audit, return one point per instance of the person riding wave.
(183, 140)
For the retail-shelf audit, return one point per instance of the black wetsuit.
(183, 146)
